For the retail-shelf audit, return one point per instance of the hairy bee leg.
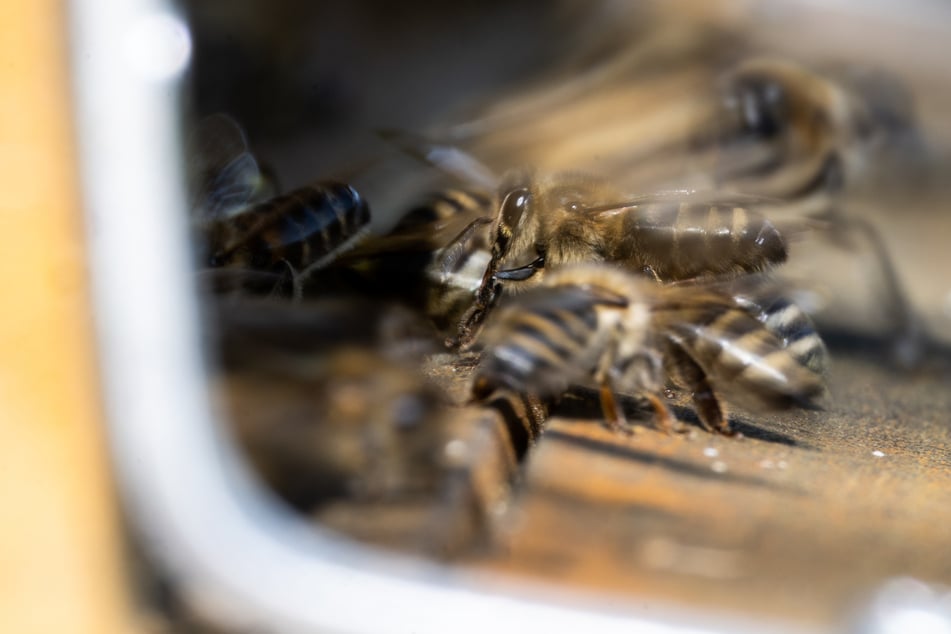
(468, 328)
(451, 249)
(614, 416)
(709, 411)
(472, 319)
(843, 230)
(297, 282)
(651, 273)
(707, 404)
(513, 207)
(663, 419)
(691, 376)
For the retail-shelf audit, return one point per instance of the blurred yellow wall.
(60, 568)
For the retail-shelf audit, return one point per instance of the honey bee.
(537, 222)
(569, 219)
(792, 134)
(598, 324)
(244, 228)
(784, 131)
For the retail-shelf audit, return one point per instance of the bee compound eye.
(514, 206)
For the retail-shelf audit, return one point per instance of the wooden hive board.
(800, 519)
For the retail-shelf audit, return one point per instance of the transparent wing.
(744, 359)
(224, 176)
(690, 196)
(446, 158)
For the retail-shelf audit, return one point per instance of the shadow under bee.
(935, 355)
(582, 403)
(647, 457)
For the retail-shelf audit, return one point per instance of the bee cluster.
(527, 286)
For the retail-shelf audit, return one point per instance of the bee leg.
(907, 343)
(689, 375)
(613, 414)
(450, 253)
(475, 315)
(663, 418)
(297, 282)
(907, 337)
(707, 405)
(468, 328)
(651, 273)
(709, 411)
(515, 204)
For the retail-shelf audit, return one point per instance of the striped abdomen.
(306, 229)
(762, 298)
(681, 240)
(541, 344)
(795, 329)
(738, 355)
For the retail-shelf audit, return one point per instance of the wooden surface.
(806, 515)
(59, 541)
(799, 520)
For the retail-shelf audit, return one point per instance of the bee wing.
(230, 190)
(448, 159)
(224, 174)
(744, 361)
(578, 298)
(693, 196)
(753, 292)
